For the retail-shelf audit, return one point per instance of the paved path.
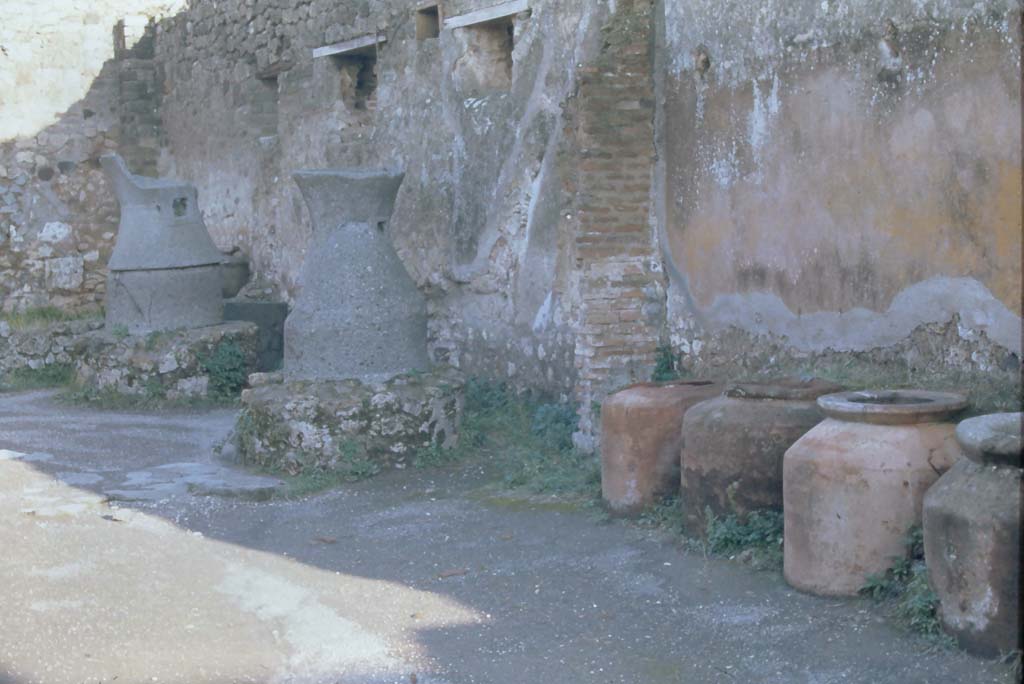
(414, 576)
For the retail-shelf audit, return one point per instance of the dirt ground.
(128, 554)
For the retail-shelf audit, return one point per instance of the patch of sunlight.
(38, 80)
(94, 592)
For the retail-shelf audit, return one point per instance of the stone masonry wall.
(584, 181)
(481, 221)
(66, 98)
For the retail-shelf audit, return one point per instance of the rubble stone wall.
(77, 80)
(585, 181)
(481, 222)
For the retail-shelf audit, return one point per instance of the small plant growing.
(226, 369)
(905, 587)
(54, 375)
(759, 537)
(666, 514)
(666, 367)
(555, 423)
(435, 456)
(154, 389)
(119, 332)
(43, 316)
(354, 463)
(153, 340)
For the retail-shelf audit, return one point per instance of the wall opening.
(486, 64)
(428, 22)
(180, 206)
(358, 74)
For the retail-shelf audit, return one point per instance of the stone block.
(270, 317)
(169, 365)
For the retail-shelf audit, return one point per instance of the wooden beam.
(349, 46)
(499, 11)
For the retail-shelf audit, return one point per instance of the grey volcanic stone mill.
(165, 270)
(359, 315)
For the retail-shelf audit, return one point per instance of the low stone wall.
(40, 346)
(167, 365)
(301, 425)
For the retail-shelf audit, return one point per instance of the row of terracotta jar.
(852, 472)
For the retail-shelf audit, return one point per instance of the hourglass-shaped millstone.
(165, 270)
(358, 314)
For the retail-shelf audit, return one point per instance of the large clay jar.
(734, 444)
(641, 439)
(854, 484)
(972, 536)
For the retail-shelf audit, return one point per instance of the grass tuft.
(758, 539)
(350, 465)
(23, 379)
(904, 588)
(666, 515)
(43, 316)
(525, 442)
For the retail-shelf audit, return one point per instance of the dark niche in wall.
(358, 74)
(428, 22)
(355, 63)
(490, 46)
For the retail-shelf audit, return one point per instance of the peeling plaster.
(934, 300)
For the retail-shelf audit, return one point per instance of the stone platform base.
(336, 425)
(41, 346)
(164, 365)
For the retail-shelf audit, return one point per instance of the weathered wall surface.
(841, 174)
(481, 221)
(584, 181)
(65, 99)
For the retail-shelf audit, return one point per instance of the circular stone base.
(347, 425)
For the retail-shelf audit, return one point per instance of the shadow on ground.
(414, 576)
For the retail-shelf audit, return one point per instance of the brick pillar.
(619, 274)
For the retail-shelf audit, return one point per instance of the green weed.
(758, 539)
(665, 515)
(524, 442)
(153, 340)
(43, 316)
(351, 465)
(905, 589)
(22, 379)
(226, 368)
(666, 366)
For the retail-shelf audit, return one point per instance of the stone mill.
(357, 386)
(165, 270)
(359, 314)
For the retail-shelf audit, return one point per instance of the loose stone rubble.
(329, 425)
(165, 365)
(41, 346)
